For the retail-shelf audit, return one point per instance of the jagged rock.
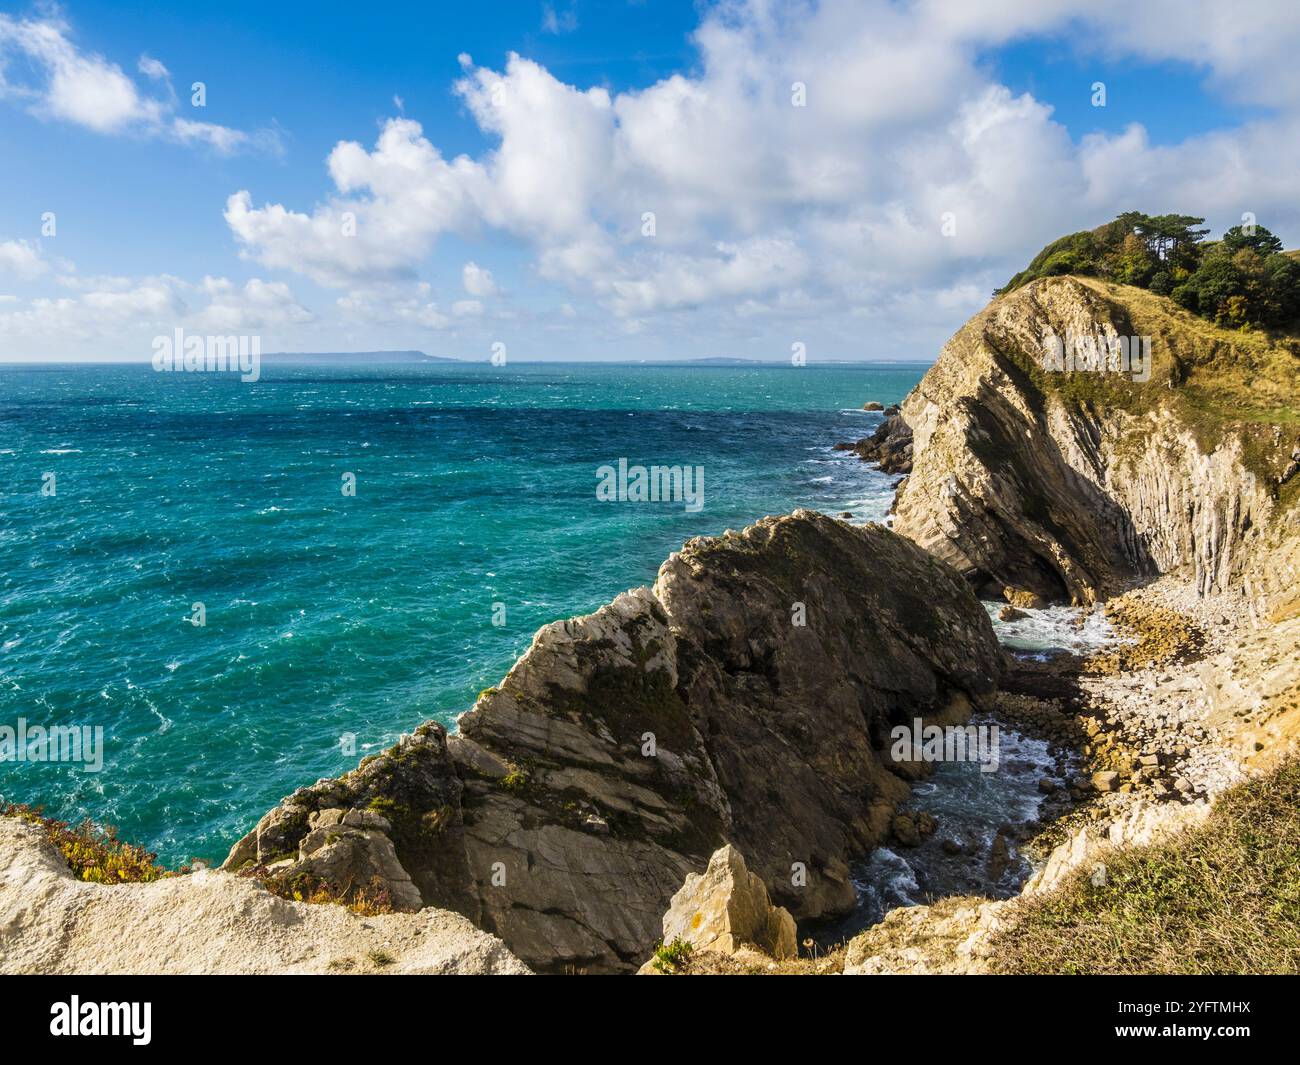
(905, 830)
(871, 404)
(1010, 613)
(351, 849)
(747, 698)
(999, 857)
(726, 908)
(396, 816)
(1138, 825)
(1023, 599)
(949, 937)
(890, 445)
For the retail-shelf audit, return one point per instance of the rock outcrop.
(1068, 485)
(726, 909)
(746, 698)
(210, 922)
(890, 446)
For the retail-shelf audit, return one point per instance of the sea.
(244, 587)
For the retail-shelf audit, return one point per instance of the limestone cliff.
(1069, 484)
(52, 922)
(746, 698)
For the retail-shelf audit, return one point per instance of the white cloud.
(761, 205)
(394, 305)
(153, 68)
(120, 315)
(255, 305)
(411, 197)
(766, 216)
(477, 280)
(22, 258)
(559, 21)
(58, 81)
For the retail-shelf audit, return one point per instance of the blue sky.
(500, 163)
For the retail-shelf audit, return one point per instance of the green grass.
(1223, 897)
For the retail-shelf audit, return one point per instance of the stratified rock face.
(1039, 489)
(747, 698)
(726, 908)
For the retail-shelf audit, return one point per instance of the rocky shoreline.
(700, 764)
(744, 699)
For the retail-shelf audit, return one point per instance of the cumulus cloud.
(23, 259)
(255, 305)
(836, 155)
(412, 195)
(850, 163)
(394, 305)
(123, 314)
(41, 68)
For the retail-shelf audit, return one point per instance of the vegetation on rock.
(669, 957)
(1223, 897)
(1242, 280)
(94, 853)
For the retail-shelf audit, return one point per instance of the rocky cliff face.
(1068, 484)
(746, 698)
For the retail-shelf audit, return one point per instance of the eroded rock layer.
(746, 698)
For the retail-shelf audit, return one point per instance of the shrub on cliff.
(1221, 898)
(1243, 280)
(95, 854)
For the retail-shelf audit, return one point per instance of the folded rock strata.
(1070, 485)
(746, 698)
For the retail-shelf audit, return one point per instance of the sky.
(617, 180)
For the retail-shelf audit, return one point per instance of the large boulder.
(726, 909)
(746, 698)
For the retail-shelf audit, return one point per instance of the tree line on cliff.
(1243, 280)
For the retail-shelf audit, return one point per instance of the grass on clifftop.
(1223, 897)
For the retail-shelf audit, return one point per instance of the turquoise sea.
(327, 614)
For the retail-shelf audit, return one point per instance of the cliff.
(1069, 485)
(745, 698)
(210, 922)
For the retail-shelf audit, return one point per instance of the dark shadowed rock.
(890, 446)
